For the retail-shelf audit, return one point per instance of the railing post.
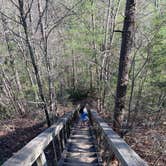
(41, 160)
(68, 129)
(59, 143)
(54, 149)
(62, 139)
(65, 133)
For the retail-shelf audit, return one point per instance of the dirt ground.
(148, 142)
(17, 132)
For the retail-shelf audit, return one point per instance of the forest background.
(55, 52)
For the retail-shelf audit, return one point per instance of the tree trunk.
(46, 56)
(20, 97)
(109, 31)
(29, 73)
(91, 77)
(32, 55)
(126, 45)
(73, 71)
(8, 92)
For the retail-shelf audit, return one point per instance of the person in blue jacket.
(83, 115)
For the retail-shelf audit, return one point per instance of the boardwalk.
(73, 145)
(81, 148)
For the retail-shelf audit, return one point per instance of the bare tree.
(44, 38)
(23, 17)
(19, 101)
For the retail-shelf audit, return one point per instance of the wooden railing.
(111, 146)
(52, 140)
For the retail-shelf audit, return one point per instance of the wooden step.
(87, 160)
(81, 154)
(80, 149)
(92, 149)
(81, 146)
(81, 132)
(76, 142)
(78, 164)
(81, 137)
(79, 129)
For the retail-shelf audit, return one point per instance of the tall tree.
(23, 16)
(126, 45)
(44, 40)
(19, 100)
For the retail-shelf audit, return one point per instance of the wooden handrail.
(58, 133)
(114, 144)
(34, 150)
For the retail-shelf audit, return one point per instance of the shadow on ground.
(13, 141)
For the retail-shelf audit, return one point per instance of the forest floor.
(148, 141)
(18, 131)
(146, 138)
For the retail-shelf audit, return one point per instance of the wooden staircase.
(71, 144)
(81, 148)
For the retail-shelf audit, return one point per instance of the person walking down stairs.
(84, 115)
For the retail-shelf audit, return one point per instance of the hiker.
(83, 115)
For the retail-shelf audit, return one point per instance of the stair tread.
(76, 164)
(81, 154)
(82, 160)
(75, 141)
(80, 149)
